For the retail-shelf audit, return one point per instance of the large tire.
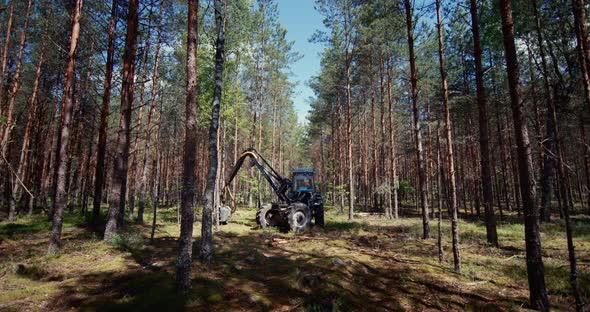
(224, 214)
(299, 217)
(319, 216)
(264, 216)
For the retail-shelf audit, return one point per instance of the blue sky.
(301, 20)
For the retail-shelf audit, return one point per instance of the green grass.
(364, 264)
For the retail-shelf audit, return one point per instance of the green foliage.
(127, 241)
(342, 189)
(406, 187)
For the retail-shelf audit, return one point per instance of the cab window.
(303, 183)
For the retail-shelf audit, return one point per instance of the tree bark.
(16, 84)
(118, 189)
(484, 136)
(185, 246)
(439, 182)
(104, 113)
(393, 156)
(5, 52)
(450, 160)
(372, 189)
(583, 46)
(562, 97)
(535, 269)
(134, 149)
(548, 141)
(59, 204)
(157, 166)
(144, 167)
(417, 127)
(206, 227)
(25, 148)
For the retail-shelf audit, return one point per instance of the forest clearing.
(307, 155)
(371, 264)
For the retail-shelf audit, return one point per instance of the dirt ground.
(371, 264)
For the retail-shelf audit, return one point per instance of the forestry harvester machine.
(298, 201)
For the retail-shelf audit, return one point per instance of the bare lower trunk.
(393, 156)
(119, 180)
(535, 268)
(5, 52)
(59, 204)
(157, 180)
(144, 167)
(9, 118)
(422, 189)
(439, 182)
(31, 118)
(206, 228)
(349, 147)
(102, 134)
(185, 245)
(580, 20)
(450, 160)
(484, 137)
(133, 185)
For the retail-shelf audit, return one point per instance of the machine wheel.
(319, 216)
(224, 214)
(264, 216)
(299, 217)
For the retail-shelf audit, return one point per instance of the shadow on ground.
(260, 272)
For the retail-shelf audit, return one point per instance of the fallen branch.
(16, 175)
(515, 256)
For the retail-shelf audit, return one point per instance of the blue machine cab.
(303, 179)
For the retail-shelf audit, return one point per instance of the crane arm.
(279, 184)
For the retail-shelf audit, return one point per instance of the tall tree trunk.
(16, 84)
(8, 125)
(583, 46)
(134, 149)
(157, 166)
(5, 51)
(383, 151)
(548, 141)
(144, 167)
(586, 160)
(373, 157)
(185, 246)
(60, 202)
(340, 162)
(31, 117)
(562, 97)
(484, 136)
(235, 151)
(83, 111)
(351, 195)
(450, 161)
(104, 113)
(393, 156)
(439, 182)
(417, 127)
(535, 269)
(118, 190)
(206, 230)
(50, 153)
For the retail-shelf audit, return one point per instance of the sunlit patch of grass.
(15, 288)
(369, 260)
(37, 223)
(28, 224)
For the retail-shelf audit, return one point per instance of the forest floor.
(371, 264)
